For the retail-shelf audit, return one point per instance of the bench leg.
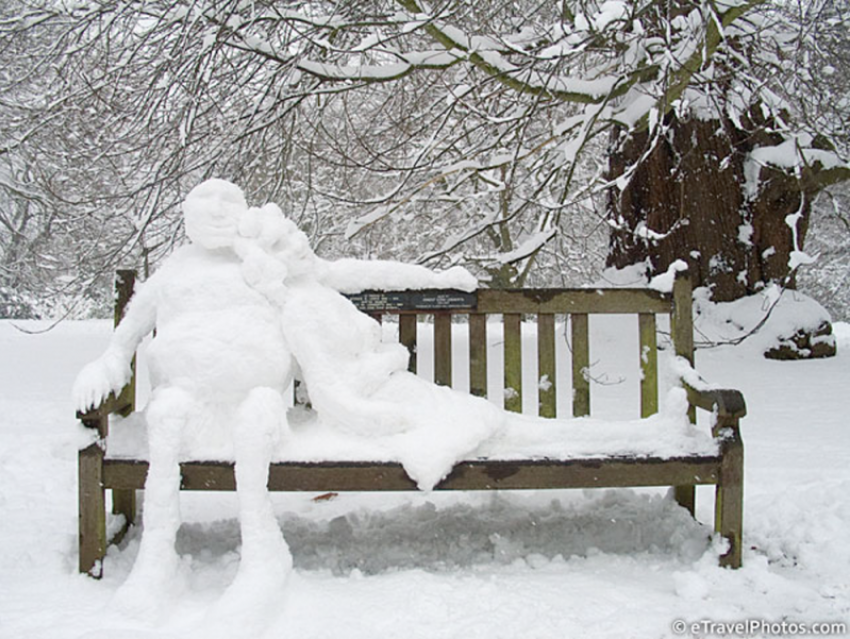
(124, 503)
(686, 497)
(729, 500)
(92, 511)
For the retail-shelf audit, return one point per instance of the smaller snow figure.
(234, 311)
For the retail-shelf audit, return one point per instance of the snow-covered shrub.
(777, 323)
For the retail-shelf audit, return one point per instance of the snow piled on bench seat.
(664, 435)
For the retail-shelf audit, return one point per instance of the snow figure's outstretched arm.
(267, 230)
(111, 371)
(353, 276)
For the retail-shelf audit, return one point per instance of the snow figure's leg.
(155, 576)
(259, 424)
(265, 561)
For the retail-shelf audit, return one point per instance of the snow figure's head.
(212, 211)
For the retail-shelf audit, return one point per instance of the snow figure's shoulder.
(184, 260)
(190, 252)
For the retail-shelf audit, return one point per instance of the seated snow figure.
(219, 360)
(234, 310)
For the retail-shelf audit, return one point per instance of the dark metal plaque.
(427, 300)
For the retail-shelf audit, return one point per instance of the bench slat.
(92, 515)
(648, 365)
(581, 364)
(563, 301)
(682, 329)
(546, 390)
(513, 361)
(407, 337)
(443, 349)
(478, 354)
(469, 475)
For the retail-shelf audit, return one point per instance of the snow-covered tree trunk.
(699, 193)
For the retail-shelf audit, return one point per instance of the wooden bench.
(123, 477)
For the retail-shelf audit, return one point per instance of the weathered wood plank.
(98, 418)
(729, 494)
(648, 365)
(525, 301)
(407, 337)
(724, 402)
(92, 510)
(443, 349)
(513, 361)
(423, 301)
(470, 475)
(579, 329)
(478, 354)
(125, 283)
(584, 473)
(682, 329)
(546, 390)
(565, 301)
(681, 317)
(124, 503)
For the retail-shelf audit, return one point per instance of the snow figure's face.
(211, 213)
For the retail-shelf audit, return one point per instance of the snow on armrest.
(113, 404)
(725, 402)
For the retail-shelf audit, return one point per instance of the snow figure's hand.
(262, 271)
(109, 373)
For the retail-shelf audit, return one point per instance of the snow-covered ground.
(616, 563)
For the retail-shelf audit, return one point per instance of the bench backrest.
(544, 304)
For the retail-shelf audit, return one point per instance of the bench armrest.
(726, 403)
(98, 417)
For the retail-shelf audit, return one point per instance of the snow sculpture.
(235, 310)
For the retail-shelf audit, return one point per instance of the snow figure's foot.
(154, 584)
(258, 593)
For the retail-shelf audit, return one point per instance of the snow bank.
(353, 276)
(768, 319)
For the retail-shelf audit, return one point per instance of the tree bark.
(686, 200)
